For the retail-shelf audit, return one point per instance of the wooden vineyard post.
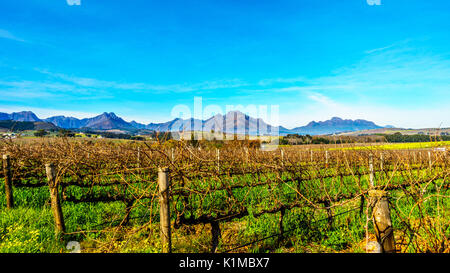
(215, 231)
(429, 160)
(128, 208)
(282, 157)
(311, 156)
(139, 157)
(371, 171)
(326, 159)
(172, 156)
(361, 205)
(382, 220)
(299, 183)
(371, 185)
(246, 154)
(55, 203)
(280, 224)
(8, 181)
(327, 205)
(381, 162)
(164, 210)
(218, 160)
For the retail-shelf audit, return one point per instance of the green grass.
(29, 227)
(27, 230)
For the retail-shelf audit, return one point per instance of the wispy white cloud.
(44, 113)
(320, 107)
(397, 85)
(380, 49)
(140, 87)
(393, 45)
(324, 100)
(266, 82)
(393, 69)
(8, 35)
(16, 91)
(25, 85)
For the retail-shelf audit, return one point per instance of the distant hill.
(174, 125)
(232, 122)
(138, 125)
(16, 126)
(20, 116)
(335, 125)
(65, 122)
(45, 126)
(237, 122)
(105, 121)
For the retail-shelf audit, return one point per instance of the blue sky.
(315, 59)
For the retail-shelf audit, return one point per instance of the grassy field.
(398, 146)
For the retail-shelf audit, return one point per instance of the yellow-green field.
(398, 146)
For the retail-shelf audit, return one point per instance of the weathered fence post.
(8, 181)
(246, 154)
(173, 156)
(326, 159)
(139, 157)
(381, 161)
(280, 223)
(218, 160)
(215, 231)
(299, 183)
(311, 156)
(384, 231)
(282, 156)
(164, 210)
(54, 196)
(429, 160)
(361, 205)
(128, 207)
(327, 205)
(371, 170)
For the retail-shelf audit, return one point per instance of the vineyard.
(227, 197)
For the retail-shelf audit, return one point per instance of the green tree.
(40, 133)
(65, 133)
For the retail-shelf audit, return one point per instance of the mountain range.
(232, 122)
(335, 125)
(15, 126)
(105, 121)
